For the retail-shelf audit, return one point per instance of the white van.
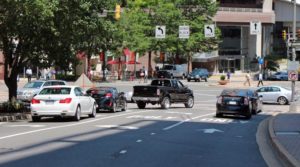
(176, 70)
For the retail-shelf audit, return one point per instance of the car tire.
(188, 80)
(219, 115)
(77, 114)
(249, 114)
(141, 104)
(35, 118)
(205, 79)
(125, 106)
(282, 100)
(114, 107)
(94, 110)
(189, 103)
(165, 104)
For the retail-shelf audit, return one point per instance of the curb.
(285, 156)
(15, 117)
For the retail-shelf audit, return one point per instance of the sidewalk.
(284, 131)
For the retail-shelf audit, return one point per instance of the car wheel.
(205, 79)
(114, 107)
(77, 114)
(190, 102)
(249, 115)
(141, 105)
(125, 106)
(93, 114)
(165, 104)
(282, 100)
(36, 118)
(188, 80)
(219, 115)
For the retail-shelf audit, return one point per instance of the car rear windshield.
(161, 83)
(100, 91)
(55, 91)
(33, 85)
(234, 92)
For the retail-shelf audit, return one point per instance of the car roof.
(61, 86)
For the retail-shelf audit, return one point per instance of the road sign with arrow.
(255, 27)
(209, 30)
(160, 32)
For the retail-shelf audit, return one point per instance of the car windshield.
(55, 91)
(33, 85)
(234, 92)
(196, 71)
(168, 67)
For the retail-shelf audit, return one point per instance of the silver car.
(275, 94)
(31, 89)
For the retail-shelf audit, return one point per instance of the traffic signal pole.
(294, 50)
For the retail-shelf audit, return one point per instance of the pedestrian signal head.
(283, 34)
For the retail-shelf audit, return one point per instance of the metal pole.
(293, 49)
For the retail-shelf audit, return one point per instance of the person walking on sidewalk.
(29, 74)
(228, 76)
(247, 79)
(260, 80)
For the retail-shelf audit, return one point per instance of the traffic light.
(283, 35)
(118, 12)
(298, 33)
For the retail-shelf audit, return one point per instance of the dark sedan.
(108, 98)
(243, 102)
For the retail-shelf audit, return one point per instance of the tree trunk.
(150, 69)
(10, 79)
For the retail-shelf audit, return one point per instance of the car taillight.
(220, 100)
(246, 101)
(158, 92)
(35, 101)
(67, 100)
(108, 95)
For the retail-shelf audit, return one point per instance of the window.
(180, 85)
(274, 89)
(78, 92)
(55, 91)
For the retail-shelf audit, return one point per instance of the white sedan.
(275, 94)
(62, 101)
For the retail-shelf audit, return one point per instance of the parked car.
(198, 74)
(235, 102)
(32, 88)
(281, 76)
(164, 74)
(163, 92)
(275, 94)
(176, 70)
(108, 98)
(62, 101)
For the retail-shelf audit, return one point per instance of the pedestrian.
(228, 76)
(146, 76)
(248, 77)
(260, 80)
(142, 74)
(29, 74)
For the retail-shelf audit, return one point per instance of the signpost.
(160, 32)
(255, 27)
(184, 32)
(209, 30)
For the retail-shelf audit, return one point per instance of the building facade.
(239, 49)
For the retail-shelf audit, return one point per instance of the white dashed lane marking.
(117, 127)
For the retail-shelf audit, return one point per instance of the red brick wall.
(1, 66)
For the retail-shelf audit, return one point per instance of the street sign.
(160, 32)
(255, 27)
(184, 32)
(293, 65)
(209, 30)
(260, 61)
(293, 75)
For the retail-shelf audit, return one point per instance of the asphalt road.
(177, 137)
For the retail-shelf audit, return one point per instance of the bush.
(13, 107)
(222, 77)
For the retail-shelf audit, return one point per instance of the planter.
(222, 82)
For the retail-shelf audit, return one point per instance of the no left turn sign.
(293, 75)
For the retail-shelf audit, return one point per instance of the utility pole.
(293, 49)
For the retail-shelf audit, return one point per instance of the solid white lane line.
(186, 120)
(70, 125)
(117, 127)
(173, 112)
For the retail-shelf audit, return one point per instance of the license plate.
(232, 102)
(49, 102)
